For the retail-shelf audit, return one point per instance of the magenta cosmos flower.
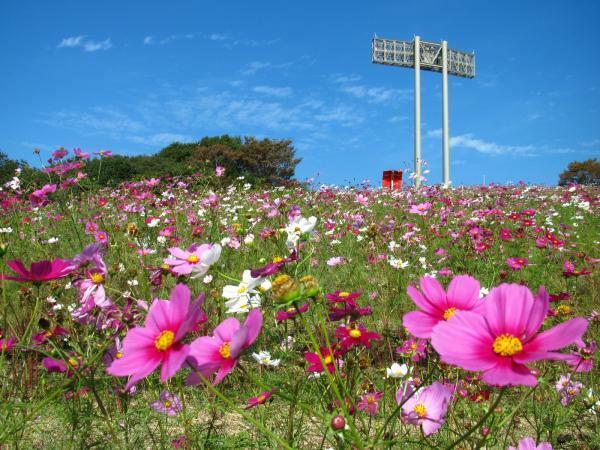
(40, 271)
(437, 306)
(369, 402)
(500, 340)
(529, 444)
(159, 340)
(219, 352)
(420, 209)
(428, 407)
(196, 259)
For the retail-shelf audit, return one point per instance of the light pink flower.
(196, 259)
(437, 305)
(420, 209)
(220, 352)
(529, 444)
(159, 340)
(503, 338)
(335, 261)
(428, 407)
(219, 171)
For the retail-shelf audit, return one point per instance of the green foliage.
(8, 167)
(586, 172)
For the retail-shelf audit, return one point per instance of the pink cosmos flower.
(219, 171)
(437, 306)
(159, 340)
(335, 261)
(6, 344)
(260, 399)
(196, 259)
(428, 407)
(92, 288)
(39, 197)
(420, 209)
(517, 263)
(39, 271)
(167, 403)
(501, 339)
(54, 365)
(582, 360)
(220, 352)
(529, 444)
(369, 402)
(290, 313)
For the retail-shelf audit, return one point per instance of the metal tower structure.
(426, 56)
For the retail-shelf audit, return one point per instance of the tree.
(7, 168)
(270, 161)
(586, 172)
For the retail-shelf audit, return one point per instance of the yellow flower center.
(193, 259)
(261, 398)
(277, 259)
(164, 341)
(354, 333)
(297, 230)
(291, 310)
(563, 310)
(327, 360)
(343, 294)
(167, 404)
(370, 399)
(507, 345)
(449, 313)
(420, 410)
(73, 362)
(241, 290)
(97, 278)
(119, 355)
(225, 351)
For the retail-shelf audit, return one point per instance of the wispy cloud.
(148, 40)
(255, 66)
(396, 119)
(343, 79)
(217, 37)
(470, 141)
(161, 139)
(375, 94)
(274, 91)
(87, 45)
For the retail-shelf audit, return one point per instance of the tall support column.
(417, 52)
(445, 131)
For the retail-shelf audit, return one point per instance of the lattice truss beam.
(402, 53)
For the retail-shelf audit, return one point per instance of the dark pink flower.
(40, 271)
(517, 263)
(290, 313)
(355, 336)
(369, 402)
(260, 399)
(582, 360)
(315, 364)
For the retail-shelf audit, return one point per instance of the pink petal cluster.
(504, 337)
(39, 271)
(437, 305)
(529, 444)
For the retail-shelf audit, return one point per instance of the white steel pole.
(445, 131)
(417, 174)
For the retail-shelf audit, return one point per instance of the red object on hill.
(392, 180)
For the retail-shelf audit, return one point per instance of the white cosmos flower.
(264, 359)
(397, 263)
(298, 227)
(397, 370)
(246, 295)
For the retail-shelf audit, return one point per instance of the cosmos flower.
(39, 271)
(315, 364)
(353, 336)
(529, 444)
(428, 407)
(246, 295)
(264, 359)
(219, 171)
(582, 360)
(92, 288)
(437, 305)
(298, 228)
(220, 352)
(196, 259)
(290, 313)
(40, 196)
(260, 399)
(397, 371)
(369, 402)
(420, 209)
(167, 403)
(504, 337)
(158, 342)
(517, 263)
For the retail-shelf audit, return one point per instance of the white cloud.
(274, 91)
(86, 45)
(161, 139)
(217, 37)
(148, 40)
(374, 94)
(396, 119)
(469, 141)
(255, 66)
(343, 79)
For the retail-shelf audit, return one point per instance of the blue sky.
(133, 76)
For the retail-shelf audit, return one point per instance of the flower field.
(187, 313)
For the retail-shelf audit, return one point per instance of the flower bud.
(285, 289)
(338, 422)
(310, 286)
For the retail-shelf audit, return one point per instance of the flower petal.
(419, 323)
